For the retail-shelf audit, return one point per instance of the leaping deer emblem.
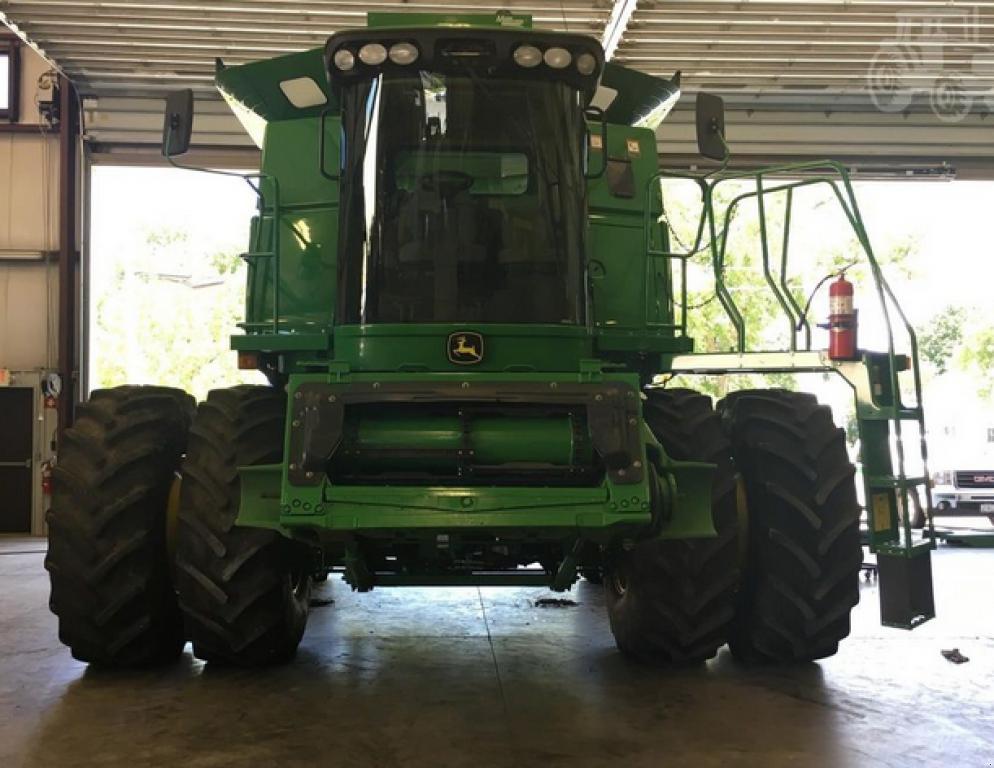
(465, 348)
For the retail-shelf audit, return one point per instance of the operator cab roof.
(295, 86)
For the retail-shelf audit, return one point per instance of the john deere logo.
(465, 348)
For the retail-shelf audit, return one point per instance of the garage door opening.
(167, 283)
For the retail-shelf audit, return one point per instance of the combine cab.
(463, 292)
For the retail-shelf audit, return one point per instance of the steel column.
(68, 253)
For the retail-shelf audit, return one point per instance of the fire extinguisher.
(46, 478)
(841, 320)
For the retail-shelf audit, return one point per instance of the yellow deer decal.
(465, 348)
(462, 348)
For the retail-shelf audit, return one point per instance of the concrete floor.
(467, 677)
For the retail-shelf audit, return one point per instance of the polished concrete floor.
(480, 678)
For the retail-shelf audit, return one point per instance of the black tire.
(243, 592)
(804, 554)
(671, 601)
(107, 543)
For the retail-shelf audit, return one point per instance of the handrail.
(837, 178)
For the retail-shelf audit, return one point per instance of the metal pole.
(68, 254)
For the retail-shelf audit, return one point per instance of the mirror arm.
(248, 179)
(603, 118)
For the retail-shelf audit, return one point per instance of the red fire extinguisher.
(46, 478)
(841, 320)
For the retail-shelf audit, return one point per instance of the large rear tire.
(804, 554)
(244, 592)
(671, 602)
(107, 545)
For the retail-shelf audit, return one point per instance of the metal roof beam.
(617, 23)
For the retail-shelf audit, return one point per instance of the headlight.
(373, 54)
(344, 59)
(403, 53)
(943, 477)
(558, 58)
(527, 56)
(586, 64)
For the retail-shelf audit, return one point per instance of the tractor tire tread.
(107, 556)
(680, 596)
(802, 579)
(235, 585)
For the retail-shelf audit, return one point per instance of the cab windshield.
(463, 200)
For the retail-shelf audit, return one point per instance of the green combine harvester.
(464, 292)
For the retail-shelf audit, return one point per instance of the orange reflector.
(248, 361)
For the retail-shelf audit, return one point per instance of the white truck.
(961, 492)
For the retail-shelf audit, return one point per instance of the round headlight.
(527, 56)
(403, 53)
(344, 59)
(586, 63)
(558, 58)
(373, 54)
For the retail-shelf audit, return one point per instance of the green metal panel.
(632, 294)
(642, 101)
(617, 275)
(269, 499)
(495, 440)
(254, 94)
(416, 348)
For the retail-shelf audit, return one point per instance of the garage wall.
(29, 177)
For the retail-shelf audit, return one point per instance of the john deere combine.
(463, 291)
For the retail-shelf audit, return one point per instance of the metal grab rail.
(837, 178)
(276, 217)
(668, 255)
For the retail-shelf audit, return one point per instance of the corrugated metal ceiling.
(768, 56)
(130, 47)
(799, 46)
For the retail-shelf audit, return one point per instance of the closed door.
(15, 459)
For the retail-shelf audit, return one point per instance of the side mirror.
(178, 123)
(711, 126)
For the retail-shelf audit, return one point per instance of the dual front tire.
(781, 577)
(241, 595)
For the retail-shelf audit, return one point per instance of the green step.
(885, 481)
(893, 414)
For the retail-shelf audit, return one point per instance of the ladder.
(882, 413)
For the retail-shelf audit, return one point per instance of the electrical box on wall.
(48, 97)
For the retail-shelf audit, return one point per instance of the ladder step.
(250, 326)
(884, 481)
(894, 414)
